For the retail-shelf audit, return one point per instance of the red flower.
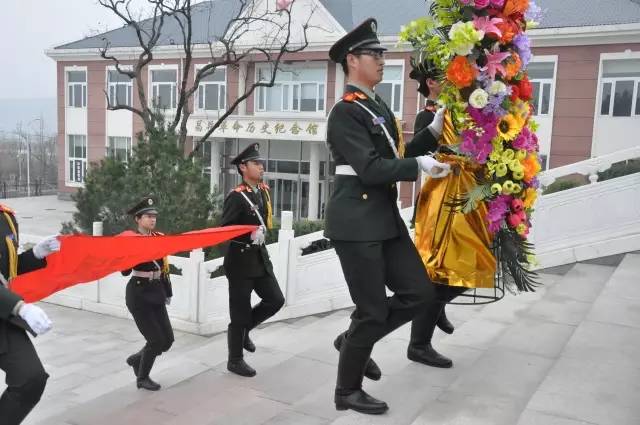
(517, 205)
(514, 220)
(525, 89)
(515, 92)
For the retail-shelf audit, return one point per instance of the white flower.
(479, 98)
(497, 87)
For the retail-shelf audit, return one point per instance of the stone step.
(517, 349)
(596, 379)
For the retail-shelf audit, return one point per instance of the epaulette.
(4, 208)
(158, 234)
(263, 185)
(242, 188)
(353, 96)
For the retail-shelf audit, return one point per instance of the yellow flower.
(521, 154)
(507, 187)
(518, 175)
(509, 127)
(514, 165)
(508, 155)
(501, 170)
(521, 228)
(530, 196)
(496, 188)
(495, 156)
(517, 188)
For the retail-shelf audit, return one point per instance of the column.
(215, 166)
(314, 179)
(339, 89)
(242, 86)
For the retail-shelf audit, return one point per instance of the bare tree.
(274, 26)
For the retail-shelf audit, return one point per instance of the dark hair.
(238, 168)
(423, 87)
(345, 67)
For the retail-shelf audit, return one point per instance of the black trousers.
(424, 324)
(152, 321)
(243, 315)
(370, 266)
(25, 377)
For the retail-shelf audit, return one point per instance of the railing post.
(98, 228)
(197, 288)
(285, 235)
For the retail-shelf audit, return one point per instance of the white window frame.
(109, 85)
(224, 84)
(614, 81)
(70, 161)
(401, 83)
(287, 105)
(627, 54)
(551, 81)
(128, 147)
(152, 85)
(83, 86)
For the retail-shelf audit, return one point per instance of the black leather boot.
(427, 355)
(236, 363)
(444, 324)
(349, 393)
(248, 344)
(146, 363)
(371, 371)
(134, 361)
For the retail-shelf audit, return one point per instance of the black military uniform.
(25, 375)
(148, 292)
(247, 266)
(364, 224)
(424, 324)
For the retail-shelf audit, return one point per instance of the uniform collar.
(366, 90)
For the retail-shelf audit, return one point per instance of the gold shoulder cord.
(11, 248)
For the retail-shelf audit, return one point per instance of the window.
(77, 89)
(163, 86)
(541, 75)
(620, 88)
(296, 89)
(77, 157)
(119, 148)
(390, 88)
(119, 88)
(212, 91)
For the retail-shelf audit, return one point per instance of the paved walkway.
(41, 215)
(566, 355)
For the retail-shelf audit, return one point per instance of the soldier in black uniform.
(362, 217)
(25, 375)
(247, 264)
(423, 325)
(148, 294)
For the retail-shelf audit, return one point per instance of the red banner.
(88, 258)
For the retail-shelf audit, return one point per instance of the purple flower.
(522, 43)
(497, 210)
(534, 13)
(535, 183)
(494, 106)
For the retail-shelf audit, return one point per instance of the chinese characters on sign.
(262, 128)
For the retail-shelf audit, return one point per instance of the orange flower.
(460, 72)
(513, 66)
(531, 167)
(512, 7)
(509, 29)
(530, 196)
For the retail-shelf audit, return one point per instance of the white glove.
(46, 247)
(432, 167)
(168, 301)
(36, 318)
(438, 123)
(257, 236)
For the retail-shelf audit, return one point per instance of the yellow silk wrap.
(454, 246)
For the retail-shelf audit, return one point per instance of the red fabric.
(87, 258)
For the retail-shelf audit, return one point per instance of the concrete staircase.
(565, 355)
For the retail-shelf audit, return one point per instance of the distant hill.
(13, 111)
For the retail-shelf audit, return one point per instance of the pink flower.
(494, 63)
(514, 220)
(481, 4)
(517, 205)
(497, 209)
(283, 4)
(488, 25)
(498, 4)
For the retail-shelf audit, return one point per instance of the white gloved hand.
(438, 123)
(36, 318)
(168, 301)
(432, 167)
(257, 236)
(46, 247)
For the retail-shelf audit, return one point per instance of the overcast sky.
(29, 27)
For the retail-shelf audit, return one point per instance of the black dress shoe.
(148, 384)
(427, 355)
(361, 402)
(240, 367)
(371, 371)
(134, 361)
(248, 344)
(444, 324)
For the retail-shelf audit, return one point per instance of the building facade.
(585, 72)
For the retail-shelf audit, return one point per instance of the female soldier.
(148, 294)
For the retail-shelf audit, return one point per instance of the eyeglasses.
(376, 54)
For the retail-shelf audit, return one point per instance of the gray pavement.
(565, 355)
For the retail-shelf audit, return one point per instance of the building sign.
(78, 171)
(252, 127)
